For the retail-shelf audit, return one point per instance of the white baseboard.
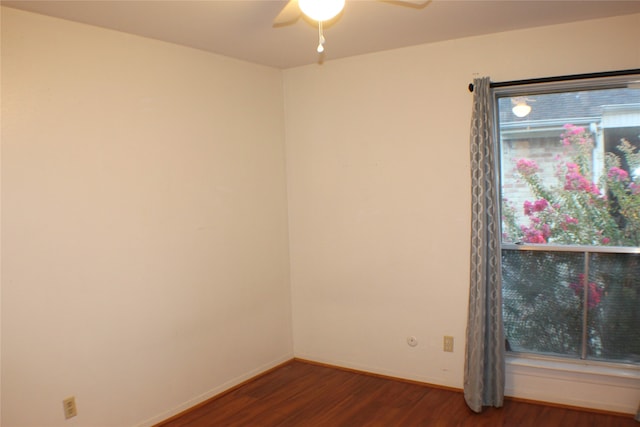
(428, 381)
(213, 392)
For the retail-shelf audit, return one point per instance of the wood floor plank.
(300, 394)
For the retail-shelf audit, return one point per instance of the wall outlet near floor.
(69, 406)
(448, 344)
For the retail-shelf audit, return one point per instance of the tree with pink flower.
(603, 213)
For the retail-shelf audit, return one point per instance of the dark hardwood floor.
(305, 394)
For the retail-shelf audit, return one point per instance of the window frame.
(532, 89)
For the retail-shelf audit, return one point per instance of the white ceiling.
(243, 28)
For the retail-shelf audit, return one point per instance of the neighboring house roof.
(568, 105)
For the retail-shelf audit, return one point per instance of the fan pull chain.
(320, 48)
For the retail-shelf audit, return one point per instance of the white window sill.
(593, 385)
(581, 367)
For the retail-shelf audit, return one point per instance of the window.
(570, 188)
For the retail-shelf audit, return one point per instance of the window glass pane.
(570, 167)
(541, 308)
(614, 307)
(570, 175)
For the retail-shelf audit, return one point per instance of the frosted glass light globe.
(321, 10)
(521, 109)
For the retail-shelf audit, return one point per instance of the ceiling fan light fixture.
(521, 110)
(321, 10)
(520, 107)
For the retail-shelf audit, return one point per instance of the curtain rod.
(562, 78)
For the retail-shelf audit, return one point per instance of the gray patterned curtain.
(484, 369)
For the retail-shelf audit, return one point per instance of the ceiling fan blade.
(412, 3)
(288, 15)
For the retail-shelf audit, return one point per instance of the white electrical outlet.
(448, 344)
(69, 406)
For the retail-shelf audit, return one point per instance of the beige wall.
(144, 228)
(379, 201)
(144, 224)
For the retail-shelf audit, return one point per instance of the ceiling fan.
(323, 10)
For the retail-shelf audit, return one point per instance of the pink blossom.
(573, 167)
(576, 134)
(527, 167)
(532, 235)
(605, 240)
(574, 180)
(634, 188)
(540, 205)
(528, 208)
(594, 292)
(568, 220)
(618, 174)
(573, 130)
(537, 206)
